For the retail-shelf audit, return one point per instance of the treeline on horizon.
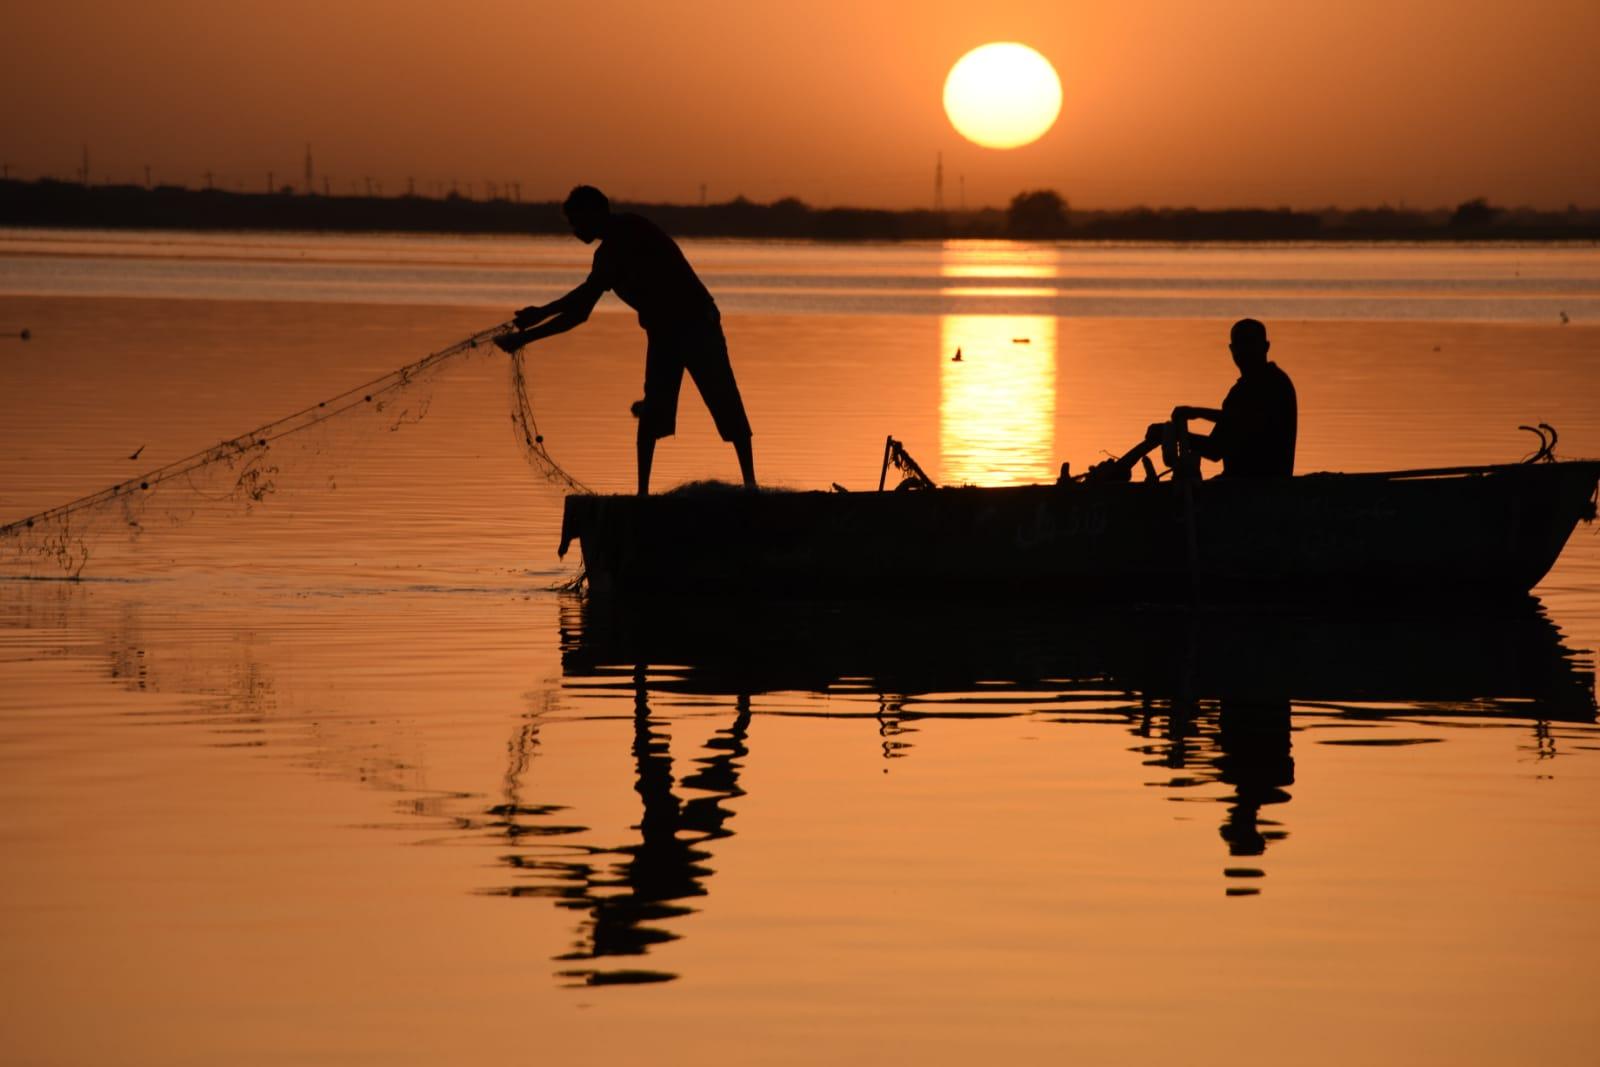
(1035, 215)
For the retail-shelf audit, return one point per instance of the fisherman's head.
(1248, 343)
(587, 211)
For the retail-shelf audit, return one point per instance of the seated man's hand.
(528, 316)
(509, 342)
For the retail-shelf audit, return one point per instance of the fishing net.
(528, 435)
(241, 473)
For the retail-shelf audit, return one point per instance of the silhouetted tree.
(1473, 213)
(1041, 213)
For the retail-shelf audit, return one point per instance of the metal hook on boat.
(1550, 453)
(1547, 442)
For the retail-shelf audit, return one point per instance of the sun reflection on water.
(997, 404)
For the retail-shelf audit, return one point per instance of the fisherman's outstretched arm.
(534, 314)
(1185, 412)
(547, 320)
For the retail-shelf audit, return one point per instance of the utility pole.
(702, 194)
(963, 181)
(310, 174)
(209, 176)
(938, 182)
(83, 170)
(369, 185)
(147, 175)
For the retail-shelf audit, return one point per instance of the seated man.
(1255, 428)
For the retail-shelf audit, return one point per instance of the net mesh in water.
(239, 473)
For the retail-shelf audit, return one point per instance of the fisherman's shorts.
(701, 349)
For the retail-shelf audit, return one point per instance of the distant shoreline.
(1040, 215)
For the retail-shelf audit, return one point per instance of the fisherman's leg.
(646, 448)
(747, 461)
(713, 376)
(658, 411)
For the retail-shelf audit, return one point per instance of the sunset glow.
(1002, 95)
(841, 532)
(1203, 105)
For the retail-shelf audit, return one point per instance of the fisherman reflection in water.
(683, 327)
(1254, 431)
(628, 890)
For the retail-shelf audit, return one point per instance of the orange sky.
(1226, 102)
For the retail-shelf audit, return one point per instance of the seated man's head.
(1248, 343)
(587, 211)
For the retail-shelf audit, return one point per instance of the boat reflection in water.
(1211, 697)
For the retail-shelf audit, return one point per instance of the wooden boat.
(1456, 533)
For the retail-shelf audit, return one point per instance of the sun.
(1002, 95)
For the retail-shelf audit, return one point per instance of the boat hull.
(1472, 533)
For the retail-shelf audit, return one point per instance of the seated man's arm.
(1210, 446)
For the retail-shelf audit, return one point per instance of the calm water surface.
(337, 777)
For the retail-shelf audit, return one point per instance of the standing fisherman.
(648, 271)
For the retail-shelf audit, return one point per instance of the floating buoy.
(957, 357)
